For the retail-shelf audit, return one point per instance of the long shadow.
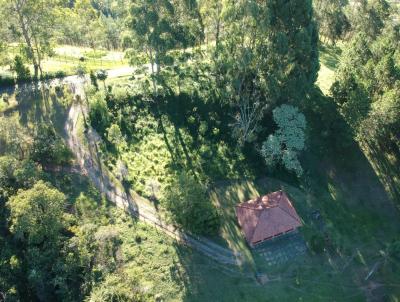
(330, 56)
(175, 157)
(387, 170)
(189, 161)
(344, 187)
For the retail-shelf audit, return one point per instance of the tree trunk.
(218, 29)
(36, 71)
(25, 33)
(152, 71)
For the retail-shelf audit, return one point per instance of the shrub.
(93, 80)
(48, 147)
(99, 114)
(203, 128)
(189, 206)
(23, 72)
(394, 249)
(5, 97)
(317, 243)
(54, 75)
(6, 81)
(80, 70)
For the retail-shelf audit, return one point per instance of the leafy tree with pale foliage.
(284, 146)
(14, 139)
(114, 135)
(33, 23)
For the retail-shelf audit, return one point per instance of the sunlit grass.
(329, 59)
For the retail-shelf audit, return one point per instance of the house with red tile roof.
(267, 217)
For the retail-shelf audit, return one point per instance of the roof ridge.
(287, 211)
(255, 228)
(250, 208)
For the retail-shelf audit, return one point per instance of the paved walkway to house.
(282, 249)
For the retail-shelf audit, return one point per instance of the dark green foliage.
(369, 16)
(293, 64)
(36, 221)
(99, 114)
(22, 71)
(16, 174)
(394, 249)
(93, 80)
(190, 207)
(158, 27)
(48, 147)
(317, 243)
(53, 75)
(332, 21)
(368, 84)
(6, 81)
(271, 58)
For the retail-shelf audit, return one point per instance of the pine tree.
(292, 47)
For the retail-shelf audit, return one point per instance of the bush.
(93, 80)
(317, 243)
(6, 81)
(80, 70)
(394, 249)
(99, 114)
(23, 72)
(190, 207)
(53, 75)
(48, 147)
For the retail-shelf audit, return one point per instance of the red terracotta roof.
(267, 216)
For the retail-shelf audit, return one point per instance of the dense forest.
(130, 130)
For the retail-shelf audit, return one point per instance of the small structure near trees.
(267, 217)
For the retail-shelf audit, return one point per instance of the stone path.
(282, 249)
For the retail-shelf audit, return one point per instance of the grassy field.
(67, 59)
(329, 59)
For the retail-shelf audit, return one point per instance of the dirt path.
(88, 159)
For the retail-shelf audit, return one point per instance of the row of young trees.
(367, 86)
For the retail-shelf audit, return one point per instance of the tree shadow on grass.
(308, 279)
(330, 56)
(199, 150)
(342, 184)
(40, 103)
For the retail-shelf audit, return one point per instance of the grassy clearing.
(161, 143)
(329, 59)
(67, 59)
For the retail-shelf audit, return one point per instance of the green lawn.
(66, 58)
(173, 272)
(329, 59)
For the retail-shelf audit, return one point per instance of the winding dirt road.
(87, 155)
